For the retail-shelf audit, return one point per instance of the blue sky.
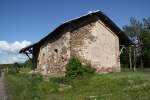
(26, 21)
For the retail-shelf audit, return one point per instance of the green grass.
(113, 86)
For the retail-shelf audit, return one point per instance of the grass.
(113, 86)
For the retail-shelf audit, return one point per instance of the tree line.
(139, 53)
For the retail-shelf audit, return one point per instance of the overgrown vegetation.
(27, 64)
(75, 68)
(81, 83)
(15, 68)
(139, 32)
(114, 86)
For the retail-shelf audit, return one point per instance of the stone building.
(93, 38)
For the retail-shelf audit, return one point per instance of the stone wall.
(92, 43)
(97, 45)
(54, 55)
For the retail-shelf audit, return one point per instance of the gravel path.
(2, 88)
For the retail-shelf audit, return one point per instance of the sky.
(23, 22)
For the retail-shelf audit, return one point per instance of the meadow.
(126, 85)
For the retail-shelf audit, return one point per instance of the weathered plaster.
(54, 55)
(93, 44)
(102, 51)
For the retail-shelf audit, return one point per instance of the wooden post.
(123, 47)
(130, 58)
(141, 60)
(31, 59)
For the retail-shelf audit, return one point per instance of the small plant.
(75, 68)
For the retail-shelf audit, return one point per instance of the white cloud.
(6, 47)
(13, 58)
(9, 51)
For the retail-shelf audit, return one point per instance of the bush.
(13, 69)
(75, 68)
(27, 64)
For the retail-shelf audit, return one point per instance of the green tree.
(139, 31)
(135, 29)
(146, 42)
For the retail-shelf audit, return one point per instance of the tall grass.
(114, 86)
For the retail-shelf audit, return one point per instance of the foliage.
(6, 65)
(146, 48)
(114, 86)
(75, 68)
(27, 87)
(135, 29)
(139, 31)
(28, 64)
(14, 68)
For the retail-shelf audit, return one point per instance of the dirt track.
(2, 88)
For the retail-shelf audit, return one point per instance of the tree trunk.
(130, 58)
(141, 62)
(134, 68)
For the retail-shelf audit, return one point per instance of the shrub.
(75, 68)
(27, 64)
(13, 69)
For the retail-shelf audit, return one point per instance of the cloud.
(9, 52)
(6, 47)
(12, 58)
